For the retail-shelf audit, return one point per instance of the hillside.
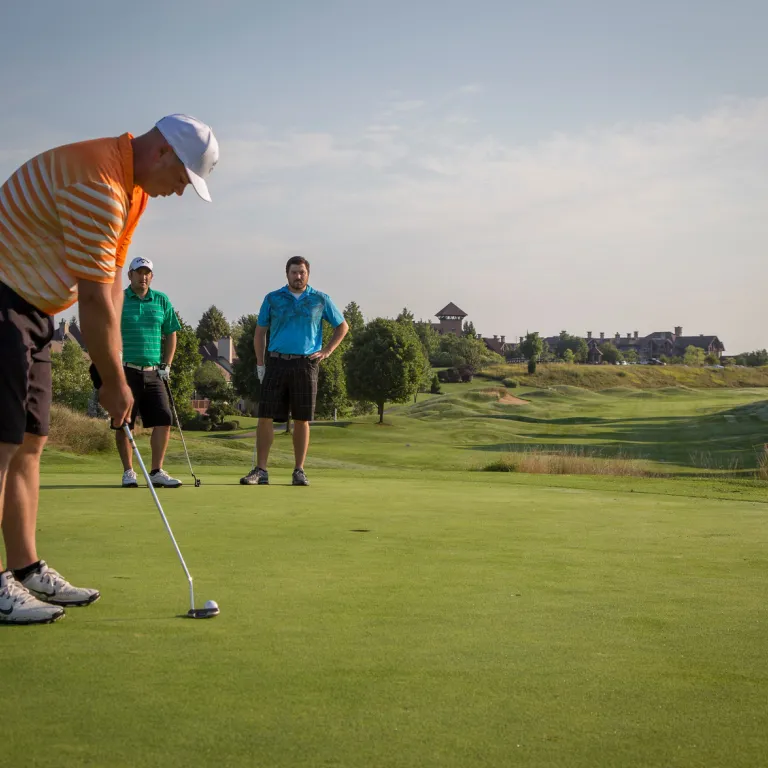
(600, 377)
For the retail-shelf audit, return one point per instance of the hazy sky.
(588, 166)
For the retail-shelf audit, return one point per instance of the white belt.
(141, 367)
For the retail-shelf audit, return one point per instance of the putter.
(253, 462)
(183, 442)
(193, 613)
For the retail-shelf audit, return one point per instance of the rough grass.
(572, 461)
(78, 433)
(597, 377)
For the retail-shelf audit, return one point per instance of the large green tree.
(213, 325)
(694, 356)
(71, 381)
(185, 362)
(332, 398)
(532, 348)
(611, 353)
(429, 337)
(354, 317)
(244, 378)
(384, 363)
(576, 344)
(210, 383)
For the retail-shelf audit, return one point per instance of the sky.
(558, 165)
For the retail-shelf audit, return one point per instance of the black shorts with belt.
(289, 387)
(150, 398)
(25, 370)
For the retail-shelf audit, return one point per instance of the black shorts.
(150, 398)
(25, 368)
(289, 386)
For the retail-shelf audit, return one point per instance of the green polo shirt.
(143, 325)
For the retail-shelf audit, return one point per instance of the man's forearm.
(338, 335)
(169, 348)
(100, 325)
(259, 344)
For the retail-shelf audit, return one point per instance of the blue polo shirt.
(296, 323)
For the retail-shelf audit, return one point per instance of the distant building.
(452, 321)
(221, 353)
(68, 330)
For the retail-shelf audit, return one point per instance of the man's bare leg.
(265, 434)
(22, 493)
(124, 449)
(7, 450)
(300, 442)
(159, 443)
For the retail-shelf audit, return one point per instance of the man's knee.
(33, 445)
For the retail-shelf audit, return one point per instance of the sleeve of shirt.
(264, 313)
(134, 214)
(331, 313)
(171, 323)
(92, 216)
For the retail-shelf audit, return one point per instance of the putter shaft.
(127, 431)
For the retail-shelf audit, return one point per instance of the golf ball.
(211, 605)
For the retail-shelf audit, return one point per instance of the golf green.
(395, 618)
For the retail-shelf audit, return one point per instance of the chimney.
(617, 336)
(589, 334)
(522, 339)
(629, 335)
(678, 330)
(602, 335)
(495, 337)
(502, 338)
(225, 348)
(636, 334)
(64, 327)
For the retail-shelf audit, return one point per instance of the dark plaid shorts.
(289, 386)
(25, 371)
(150, 398)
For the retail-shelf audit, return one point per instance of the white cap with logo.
(140, 262)
(196, 147)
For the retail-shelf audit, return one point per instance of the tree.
(236, 328)
(384, 363)
(752, 359)
(464, 351)
(712, 359)
(576, 344)
(435, 388)
(568, 356)
(429, 337)
(469, 329)
(693, 356)
(631, 356)
(185, 362)
(211, 384)
(354, 317)
(531, 348)
(611, 353)
(212, 326)
(332, 398)
(244, 378)
(72, 384)
(405, 316)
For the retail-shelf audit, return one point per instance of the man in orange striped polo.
(66, 221)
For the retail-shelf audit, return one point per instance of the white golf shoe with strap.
(50, 586)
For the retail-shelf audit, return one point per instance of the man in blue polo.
(293, 316)
(148, 326)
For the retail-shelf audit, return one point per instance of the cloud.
(623, 224)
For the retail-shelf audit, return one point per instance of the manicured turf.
(403, 610)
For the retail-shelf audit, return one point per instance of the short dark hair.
(296, 260)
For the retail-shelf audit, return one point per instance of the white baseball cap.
(196, 147)
(140, 262)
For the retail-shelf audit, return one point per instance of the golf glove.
(164, 372)
(260, 371)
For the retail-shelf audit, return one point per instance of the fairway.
(395, 618)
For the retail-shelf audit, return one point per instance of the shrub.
(531, 366)
(227, 426)
(197, 423)
(569, 462)
(510, 383)
(435, 388)
(78, 433)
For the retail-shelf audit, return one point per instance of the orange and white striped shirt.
(68, 215)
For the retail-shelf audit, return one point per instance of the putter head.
(203, 613)
(197, 482)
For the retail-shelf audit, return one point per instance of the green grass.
(405, 610)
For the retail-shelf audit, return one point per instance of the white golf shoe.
(129, 479)
(161, 479)
(51, 587)
(18, 606)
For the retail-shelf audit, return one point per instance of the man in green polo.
(148, 327)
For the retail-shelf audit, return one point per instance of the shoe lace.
(53, 577)
(17, 592)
